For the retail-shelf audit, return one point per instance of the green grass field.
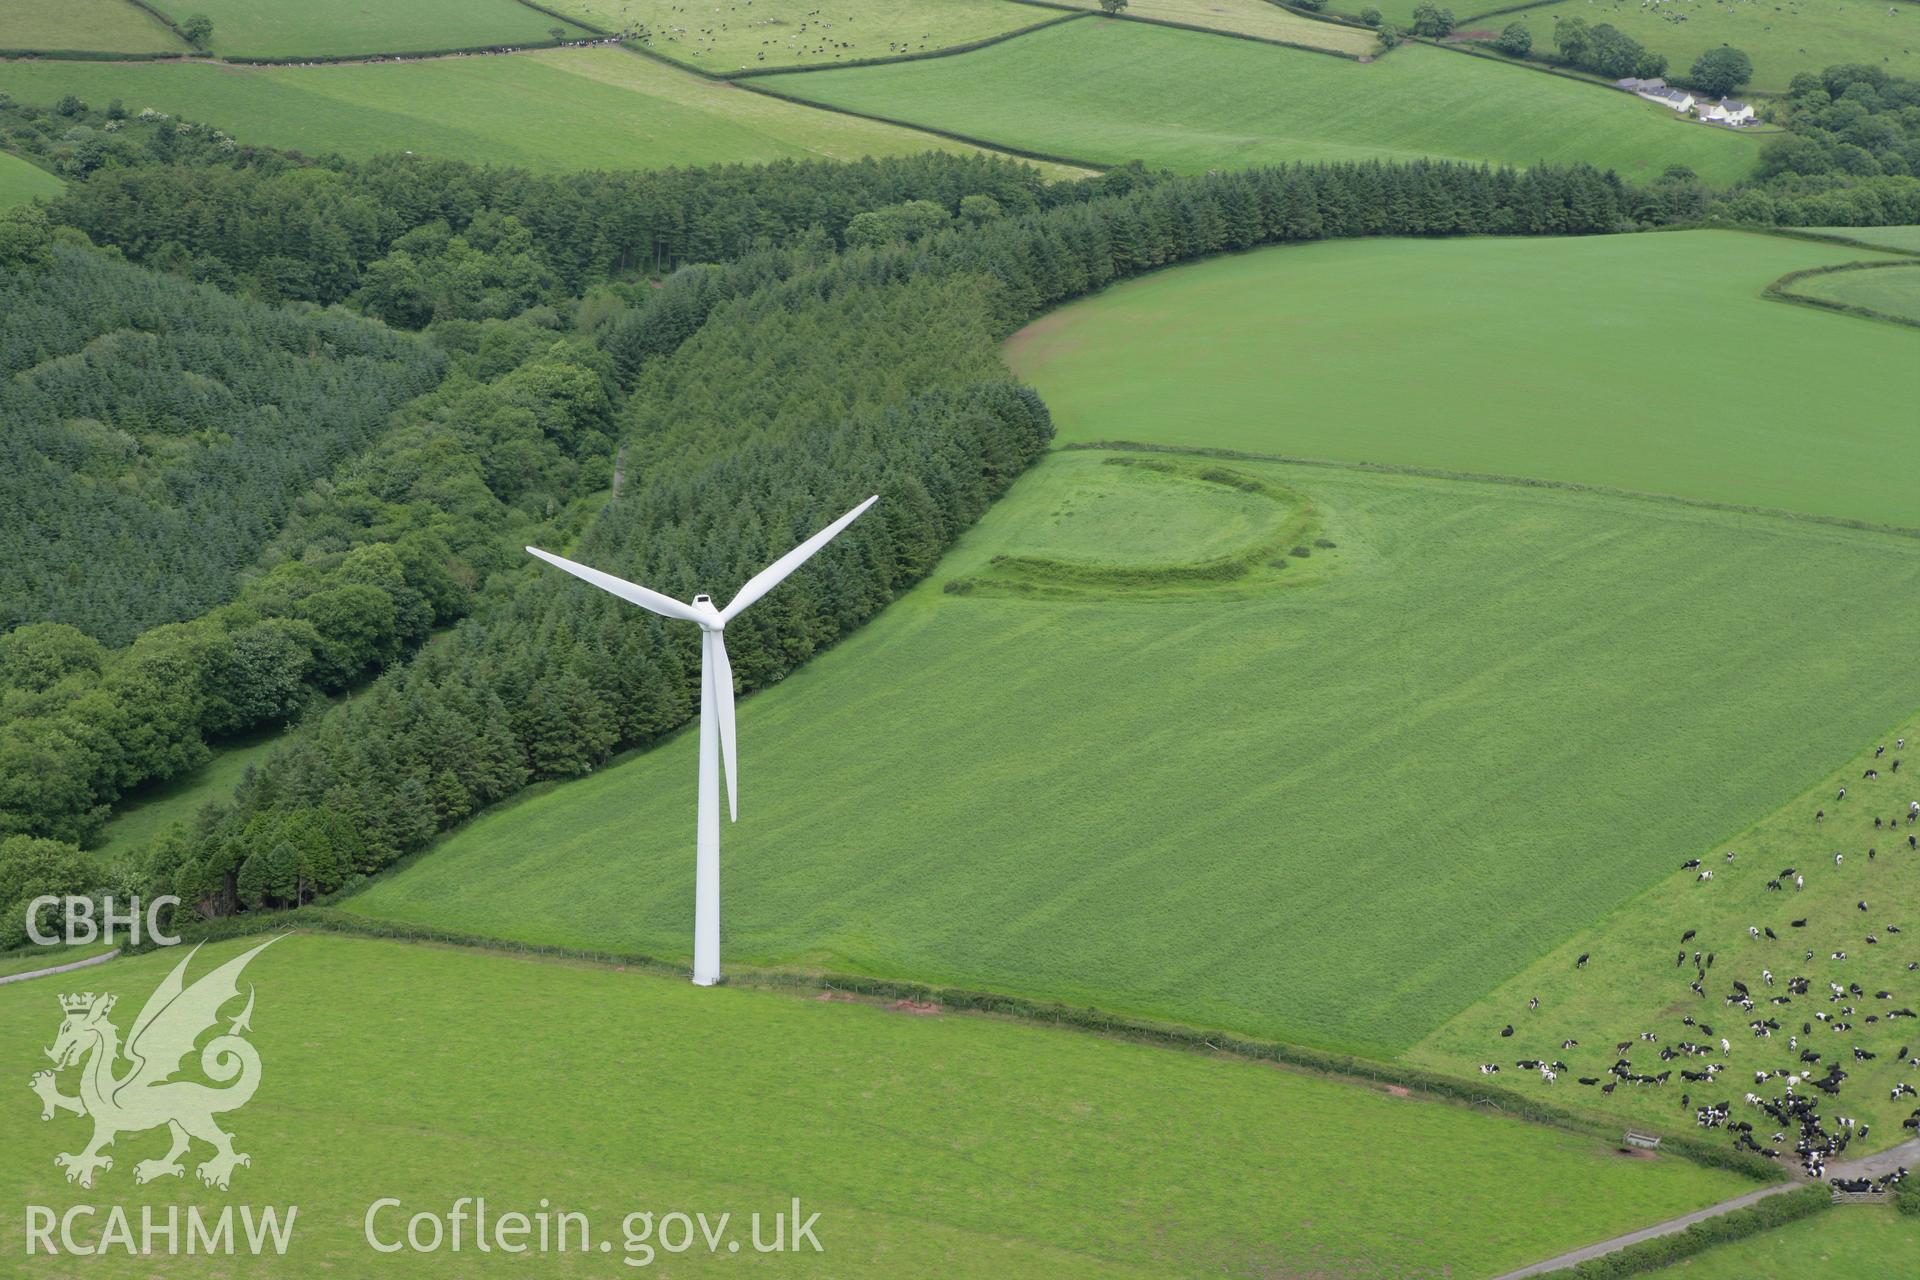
(138, 820)
(1252, 18)
(21, 181)
(319, 28)
(787, 33)
(1110, 92)
(1900, 239)
(1861, 1242)
(1891, 291)
(1633, 984)
(1414, 352)
(112, 26)
(1335, 812)
(946, 1145)
(1783, 37)
(545, 110)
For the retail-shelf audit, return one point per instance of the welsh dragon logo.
(144, 1095)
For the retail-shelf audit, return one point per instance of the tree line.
(414, 240)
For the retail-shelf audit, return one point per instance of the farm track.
(1907, 1153)
(50, 970)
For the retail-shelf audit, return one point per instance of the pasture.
(111, 26)
(1333, 813)
(1851, 1243)
(323, 28)
(140, 819)
(1890, 291)
(1413, 352)
(1783, 37)
(1634, 981)
(548, 109)
(787, 33)
(1257, 18)
(1110, 92)
(946, 1144)
(21, 181)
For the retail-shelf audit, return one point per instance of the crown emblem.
(76, 1003)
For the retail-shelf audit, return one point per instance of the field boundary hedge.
(1173, 1035)
(410, 55)
(1504, 10)
(1852, 242)
(984, 144)
(1650, 1255)
(1208, 31)
(1524, 482)
(1780, 291)
(164, 21)
(95, 55)
(1323, 15)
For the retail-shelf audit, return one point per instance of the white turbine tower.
(716, 715)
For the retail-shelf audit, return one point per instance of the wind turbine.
(716, 715)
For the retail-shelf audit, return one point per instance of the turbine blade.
(722, 677)
(631, 592)
(769, 578)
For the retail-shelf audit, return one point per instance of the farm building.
(1726, 111)
(1657, 90)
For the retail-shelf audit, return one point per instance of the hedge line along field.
(1635, 980)
(1260, 18)
(946, 1145)
(324, 28)
(788, 33)
(1113, 91)
(1892, 291)
(21, 181)
(1333, 813)
(548, 109)
(1857, 1242)
(111, 26)
(1413, 352)
(1783, 39)
(1898, 239)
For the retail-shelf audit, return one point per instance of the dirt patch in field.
(1397, 1091)
(1636, 1153)
(835, 997)
(1041, 332)
(914, 1007)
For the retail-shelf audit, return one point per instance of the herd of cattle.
(1801, 1076)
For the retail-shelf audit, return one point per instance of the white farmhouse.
(1726, 111)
